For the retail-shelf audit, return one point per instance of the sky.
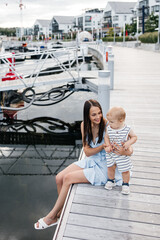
(12, 16)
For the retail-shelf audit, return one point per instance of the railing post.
(104, 90)
(111, 69)
(111, 65)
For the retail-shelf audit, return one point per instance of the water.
(27, 172)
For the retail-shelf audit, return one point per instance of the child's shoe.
(110, 184)
(125, 189)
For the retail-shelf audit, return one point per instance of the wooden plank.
(149, 154)
(146, 169)
(88, 233)
(152, 190)
(117, 225)
(144, 158)
(146, 182)
(138, 197)
(68, 238)
(146, 147)
(147, 164)
(145, 189)
(148, 175)
(113, 203)
(115, 213)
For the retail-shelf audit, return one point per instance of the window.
(107, 14)
(88, 18)
(116, 18)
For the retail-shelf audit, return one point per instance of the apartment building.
(90, 20)
(117, 13)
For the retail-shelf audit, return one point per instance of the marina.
(53, 58)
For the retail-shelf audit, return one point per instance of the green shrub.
(149, 37)
(118, 39)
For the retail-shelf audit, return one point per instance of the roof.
(44, 23)
(122, 7)
(64, 19)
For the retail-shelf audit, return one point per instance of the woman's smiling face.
(95, 115)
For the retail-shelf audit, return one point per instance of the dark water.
(27, 172)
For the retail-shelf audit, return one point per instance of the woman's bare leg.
(60, 175)
(76, 176)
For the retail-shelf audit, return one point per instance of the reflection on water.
(37, 159)
(28, 188)
(42, 130)
(23, 200)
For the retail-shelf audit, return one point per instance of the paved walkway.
(93, 213)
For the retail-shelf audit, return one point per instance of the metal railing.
(25, 66)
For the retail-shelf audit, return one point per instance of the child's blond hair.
(117, 112)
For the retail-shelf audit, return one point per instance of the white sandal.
(43, 225)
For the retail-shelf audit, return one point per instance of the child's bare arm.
(132, 139)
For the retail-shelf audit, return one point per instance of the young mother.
(92, 169)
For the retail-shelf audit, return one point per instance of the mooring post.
(111, 66)
(111, 69)
(104, 90)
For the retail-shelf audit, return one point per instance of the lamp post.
(124, 30)
(158, 1)
(137, 24)
(114, 32)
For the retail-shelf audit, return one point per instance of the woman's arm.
(108, 147)
(92, 151)
(87, 149)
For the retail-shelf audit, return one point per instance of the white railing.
(106, 57)
(24, 66)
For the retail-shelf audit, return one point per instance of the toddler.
(117, 132)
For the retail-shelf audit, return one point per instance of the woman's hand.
(108, 148)
(120, 150)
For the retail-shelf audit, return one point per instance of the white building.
(154, 7)
(42, 28)
(116, 13)
(90, 20)
(143, 9)
(24, 32)
(61, 25)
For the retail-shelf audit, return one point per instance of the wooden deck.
(93, 213)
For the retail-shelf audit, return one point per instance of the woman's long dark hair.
(88, 137)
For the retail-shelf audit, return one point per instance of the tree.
(151, 23)
(111, 32)
(131, 28)
(8, 31)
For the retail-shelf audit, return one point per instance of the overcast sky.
(11, 15)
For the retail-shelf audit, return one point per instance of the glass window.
(116, 18)
(88, 18)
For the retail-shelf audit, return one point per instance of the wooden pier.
(93, 213)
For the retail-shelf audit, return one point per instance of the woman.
(92, 169)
